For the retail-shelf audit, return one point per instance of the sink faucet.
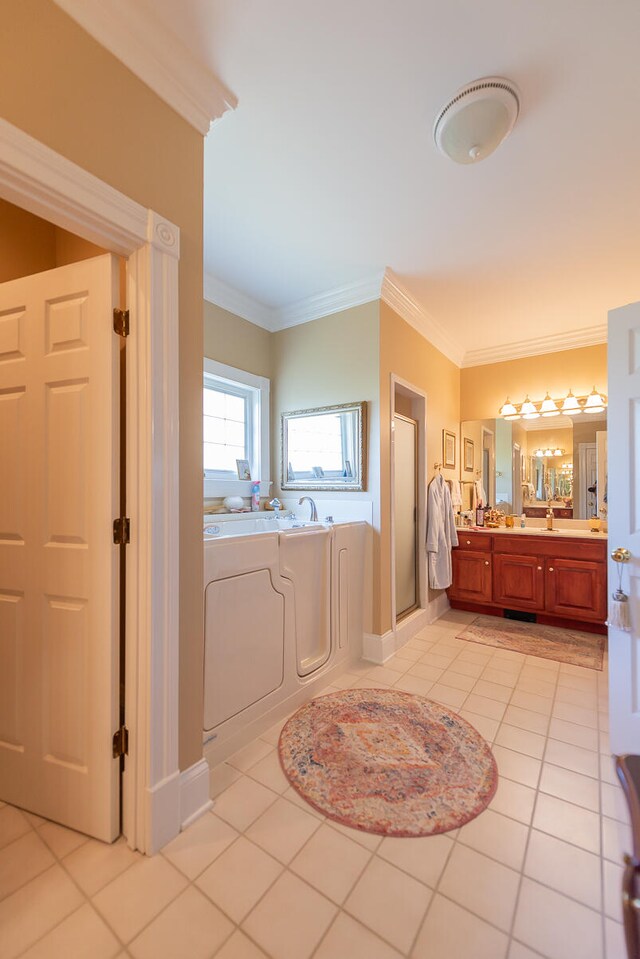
(314, 511)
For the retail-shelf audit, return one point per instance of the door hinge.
(121, 530)
(121, 322)
(121, 742)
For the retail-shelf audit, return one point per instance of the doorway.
(408, 507)
(157, 797)
(587, 481)
(59, 567)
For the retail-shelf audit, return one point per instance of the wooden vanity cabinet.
(576, 589)
(557, 579)
(472, 568)
(518, 581)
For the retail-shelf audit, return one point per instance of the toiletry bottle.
(549, 518)
(480, 514)
(523, 520)
(255, 496)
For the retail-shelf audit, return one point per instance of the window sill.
(214, 488)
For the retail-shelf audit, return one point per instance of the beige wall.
(230, 339)
(328, 361)
(407, 354)
(29, 244)
(64, 89)
(483, 389)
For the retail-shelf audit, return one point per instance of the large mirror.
(325, 448)
(523, 466)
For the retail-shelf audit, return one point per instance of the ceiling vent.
(477, 119)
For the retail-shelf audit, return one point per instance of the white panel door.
(59, 494)
(623, 424)
(405, 447)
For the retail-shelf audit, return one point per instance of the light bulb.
(571, 406)
(528, 410)
(549, 407)
(594, 402)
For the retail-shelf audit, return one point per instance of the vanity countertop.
(536, 531)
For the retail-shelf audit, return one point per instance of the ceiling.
(326, 172)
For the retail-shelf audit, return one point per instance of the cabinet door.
(471, 576)
(518, 581)
(576, 589)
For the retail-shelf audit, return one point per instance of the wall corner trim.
(241, 304)
(395, 295)
(156, 56)
(554, 343)
(194, 793)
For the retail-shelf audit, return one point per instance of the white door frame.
(43, 182)
(413, 622)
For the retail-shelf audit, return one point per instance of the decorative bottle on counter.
(255, 496)
(480, 515)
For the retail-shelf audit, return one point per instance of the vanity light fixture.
(509, 411)
(549, 452)
(570, 405)
(595, 403)
(528, 410)
(549, 407)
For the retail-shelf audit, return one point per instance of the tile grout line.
(530, 826)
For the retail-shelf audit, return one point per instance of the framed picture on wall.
(468, 455)
(448, 449)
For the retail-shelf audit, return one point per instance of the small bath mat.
(534, 639)
(388, 762)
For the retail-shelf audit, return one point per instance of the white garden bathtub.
(283, 612)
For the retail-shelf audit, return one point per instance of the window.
(235, 427)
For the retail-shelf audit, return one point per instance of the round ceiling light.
(477, 119)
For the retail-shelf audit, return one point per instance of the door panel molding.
(43, 182)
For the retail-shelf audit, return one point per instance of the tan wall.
(64, 89)
(328, 361)
(29, 244)
(230, 339)
(483, 389)
(407, 354)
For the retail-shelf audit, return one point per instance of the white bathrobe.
(441, 533)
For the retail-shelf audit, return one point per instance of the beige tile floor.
(535, 875)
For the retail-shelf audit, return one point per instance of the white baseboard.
(438, 607)
(377, 649)
(162, 819)
(194, 793)
(174, 804)
(407, 628)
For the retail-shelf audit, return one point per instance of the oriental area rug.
(388, 762)
(534, 639)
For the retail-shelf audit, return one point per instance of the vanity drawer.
(468, 539)
(549, 546)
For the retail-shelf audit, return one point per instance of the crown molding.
(332, 301)
(402, 302)
(156, 56)
(554, 343)
(229, 298)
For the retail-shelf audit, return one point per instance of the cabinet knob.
(539, 567)
(468, 542)
(486, 562)
(551, 569)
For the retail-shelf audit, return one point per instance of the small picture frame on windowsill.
(244, 470)
(448, 450)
